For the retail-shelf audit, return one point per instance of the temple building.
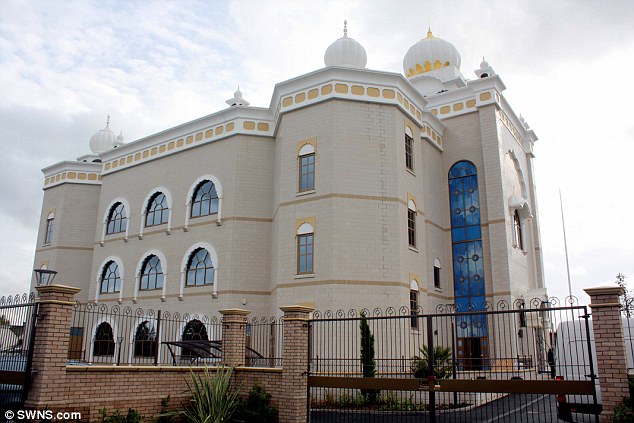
(355, 188)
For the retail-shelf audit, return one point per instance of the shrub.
(368, 363)
(133, 416)
(442, 363)
(257, 407)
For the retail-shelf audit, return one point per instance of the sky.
(66, 65)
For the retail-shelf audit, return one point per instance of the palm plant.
(442, 363)
(213, 399)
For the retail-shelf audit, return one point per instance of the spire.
(108, 122)
(345, 28)
(429, 34)
(237, 99)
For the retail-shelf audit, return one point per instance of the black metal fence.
(503, 346)
(102, 334)
(17, 331)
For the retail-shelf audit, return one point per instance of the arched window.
(517, 231)
(411, 223)
(204, 200)
(48, 235)
(110, 279)
(145, 340)
(200, 269)
(194, 330)
(437, 273)
(413, 303)
(409, 149)
(305, 239)
(151, 274)
(468, 264)
(307, 168)
(116, 219)
(103, 343)
(157, 211)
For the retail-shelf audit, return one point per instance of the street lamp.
(44, 277)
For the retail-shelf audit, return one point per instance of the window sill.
(304, 276)
(302, 193)
(410, 171)
(414, 249)
(46, 245)
(437, 289)
(520, 249)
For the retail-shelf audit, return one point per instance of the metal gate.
(512, 362)
(17, 332)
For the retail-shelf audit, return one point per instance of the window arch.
(151, 276)
(110, 278)
(103, 343)
(409, 148)
(411, 223)
(200, 268)
(518, 236)
(204, 200)
(145, 340)
(437, 268)
(117, 219)
(194, 330)
(157, 210)
(305, 241)
(306, 168)
(48, 234)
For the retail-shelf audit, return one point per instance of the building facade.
(354, 189)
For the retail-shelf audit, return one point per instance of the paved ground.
(512, 408)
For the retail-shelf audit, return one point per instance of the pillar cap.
(605, 290)
(64, 289)
(297, 308)
(234, 312)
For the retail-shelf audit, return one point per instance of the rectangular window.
(409, 153)
(48, 237)
(436, 277)
(307, 172)
(305, 254)
(413, 306)
(411, 227)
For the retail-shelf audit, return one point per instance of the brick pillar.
(610, 347)
(234, 334)
(295, 364)
(50, 349)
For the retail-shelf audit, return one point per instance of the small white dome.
(484, 63)
(429, 54)
(346, 52)
(103, 140)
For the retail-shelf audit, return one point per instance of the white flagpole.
(563, 225)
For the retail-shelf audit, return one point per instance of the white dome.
(429, 54)
(346, 52)
(103, 140)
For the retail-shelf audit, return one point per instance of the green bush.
(442, 363)
(368, 363)
(213, 399)
(257, 407)
(623, 412)
(133, 416)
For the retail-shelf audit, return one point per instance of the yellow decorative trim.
(359, 90)
(129, 159)
(485, 96)
(434, 111)
(399, 97)
(300, 144)
(171, 145)
(248, 125)
(314, 93)
(180, 143)
(137, 156)
(263, 126)
(199, 136)
(414, 277)
(389, 94)
(287, 101)
(471, 104)
(444, 110)
(230, 126)
(326, 89)
(121, 162)
(189, 140)
(457, 107)
(219, 130)
(73, 175)
(373, 92)
(146, 154)
(300, 98)
(413, 198)
(153, 151)
(81, 176)
(162, 148)
(341, 88)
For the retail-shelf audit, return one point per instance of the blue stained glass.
(473, 233)
(462, 169)
(458, 234)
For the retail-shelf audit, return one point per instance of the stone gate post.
(234, 336)
(610, 347)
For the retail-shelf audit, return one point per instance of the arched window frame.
(190, 196)
(94, 342)
(184, 267)
(48, 231)
(437, 267)
(305, 249)
(146, 206)
(411, 223)
(146, 346)
(519, 211)
(518, 236)
(139, 274)
(102, 267)
(409, 149)
(414, 304)
(106, 216)
(306, 169)
(202, 335)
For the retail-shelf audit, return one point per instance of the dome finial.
(429, 34)
(345, 28)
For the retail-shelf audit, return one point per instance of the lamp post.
(44, 277)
